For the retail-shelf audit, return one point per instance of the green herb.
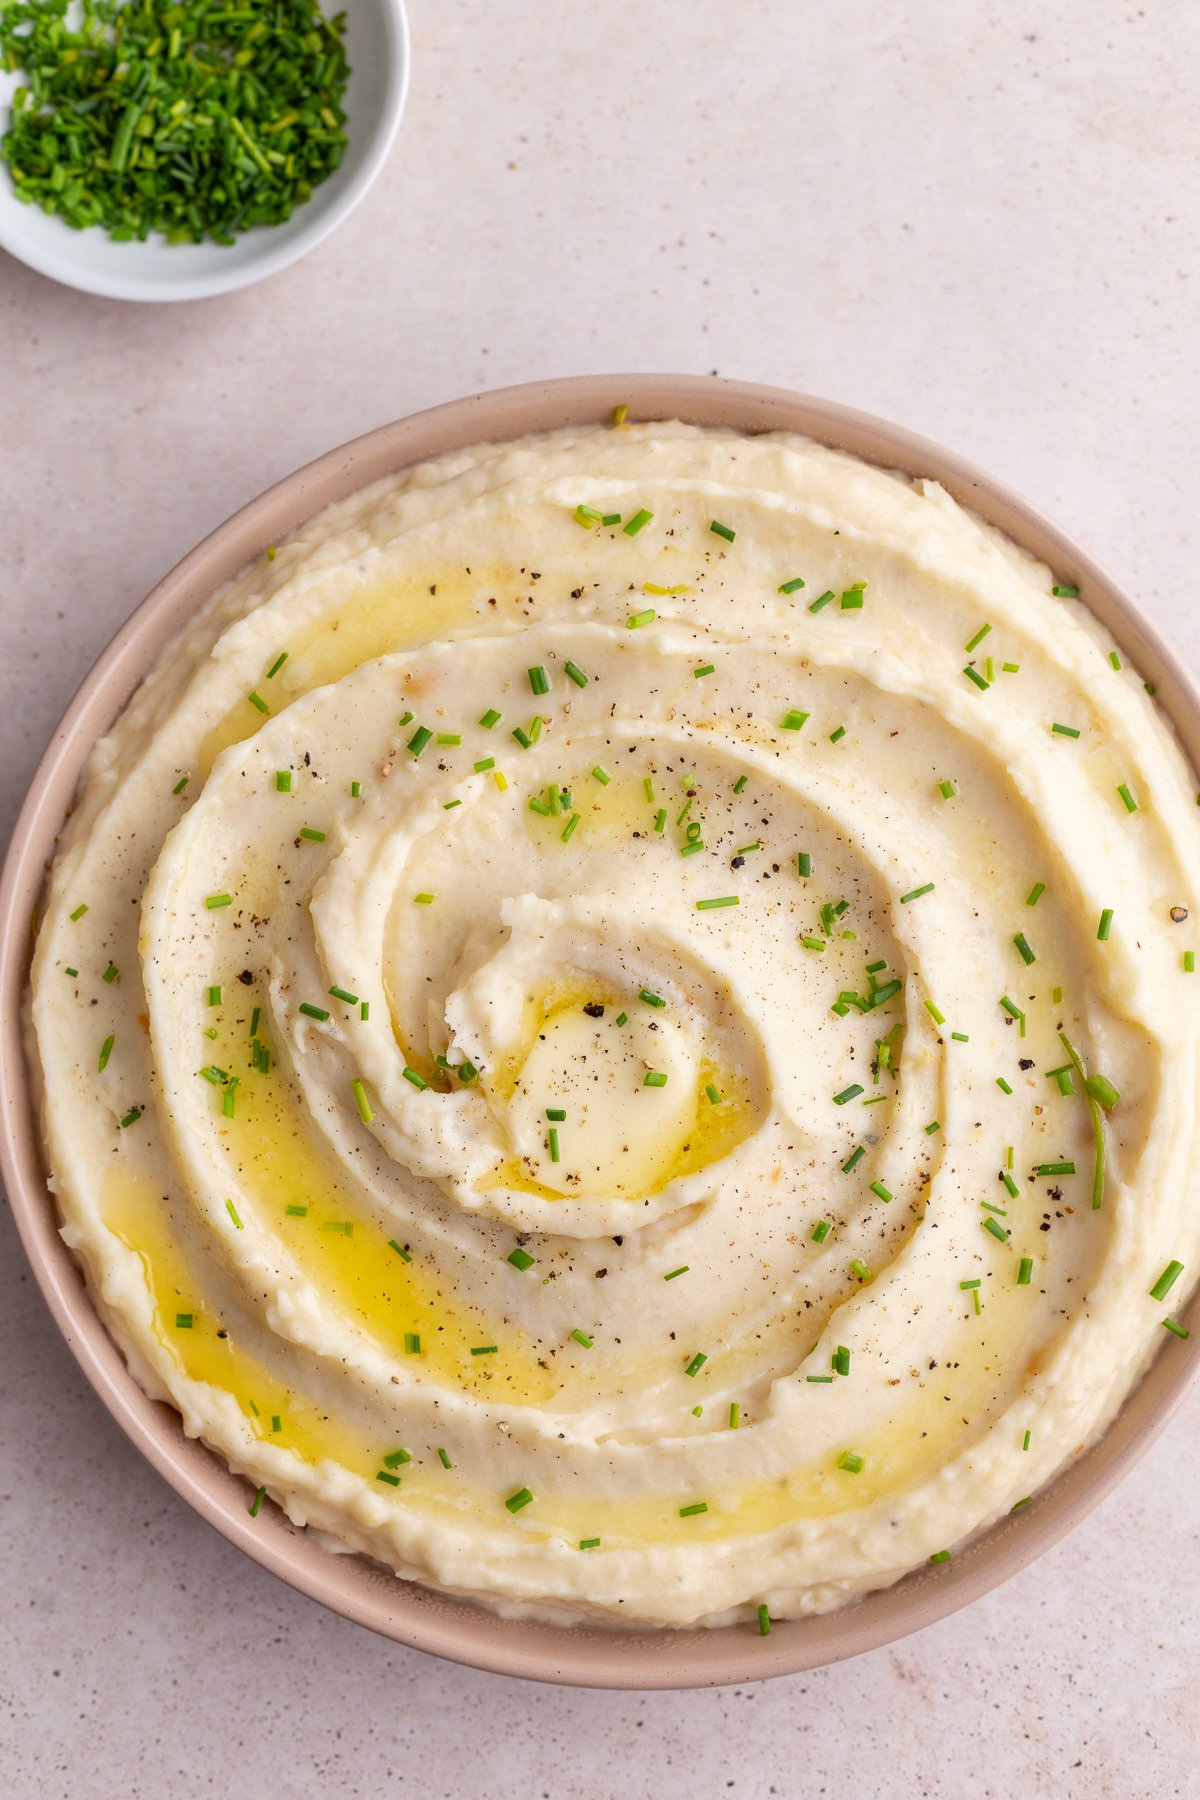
(821, 600)
(1065, 592)
(423, 899)
(1179, 1331)
(860, 1269)
(882, 1193)
(646, 617)
(854, 1157)
(1166, 1281)
(1105, 925)
(1028, 1439)
(640, 519)
(940, 1556)
(1003, 1085)
(420, 738)
(790, 587)
(722, 531)
(416, 1078)
(444, 1459)
(1189, 962)
(681, 1270)
(313, 1012)
(1022, 944)
(793, 720)
(491, 717)
(257, 701)
(552, 1144)
(849, 1093)
(257, 1501)
(313, 837)
(1064, 731)
(401, 1252)
(214, 901)
(722, 900)
(852, 1462)
(366, 1111)
(974, 643)
(397, 1459)
(569, 827)
(697, 1363)
(1025, 1271)
(821, 1231)
(1103, 1090)
(283, 781)
(836, 736)
(180, 785)
(996, 1228)
(740, 783)
(539, 681)
(852, 599)
(383, 1475)
(916, 893)
(1114, 659)
(977, 678)
(947, 790)
(690, 1512)
(654, 1078)
(1127, 798)
(841, 1360)
(601, 775)
(651, 999)
(520, 1259)
(705, 669)
(231, 1209)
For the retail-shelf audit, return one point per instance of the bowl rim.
(442, 1624)
(274, 257)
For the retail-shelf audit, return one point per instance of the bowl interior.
(377, 48)
(350, 1585)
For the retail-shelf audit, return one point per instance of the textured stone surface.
(978, 220)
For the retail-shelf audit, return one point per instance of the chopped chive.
(852, 598)
(651, 999)
(366, 1111)
(1179, 1331)
(539, 806)
(938, 1017)
(257, 1501)
(277, 665)
(690, 1512)
(722, 531)
(106, 1052)
(1064, 731)
(1054, 1168)
(697, 1363)
(520, 1259)
(257, 701)
(965, 1285)
(385, 1475)
(790, 587)
(916, 893)
(821, 1231)
(587, 516)
(283, 781)
(79, 912)
(601, 775)
(660, 820)
(705, 669)
(860, 1269)
(569, 827)
(1025, 1271)
(184, 1321)
(405, 719)
(491, 717)
(803, 864)
(1022, 944)
(180, 785)
(645, 617)
(516, 1501)
(1065, 592)
(1027, 1440)
(821, 600)
(552, 1144)
(449, 737)
(313, 1012)
(418, 1081)
(1009, 1183)
(681, 1270)
(654, 1078)
(996, 1228)
(574, 673)
(1105, 925)
(214, 996)
(1130, 803)
(589, 1543)
(444, 1459)
(484, 764)
(1103, 1090)
(854, 1157)
(1003, 1085)
(823, 1380)
(978, 679)
(231, 1209)
(1011, 668)
(423, 899)
(1166, 1281)
(539, 681)
(420, 738)
(214, 901)
(1035, 893)
(792, 720)
(1189, 962)
(975, 642)
(940, 1556)
(851, 1461)
(740, 783)
(848, 1093)
(640, 519)
(314, 837)
(1114, 659)
(735, 1415)
(881, 1191)
(947, 790)
(296, 1212)
(622, 1018)
(841, 1360)
(836, 736)
(581, 1337)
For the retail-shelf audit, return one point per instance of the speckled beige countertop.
(978, 220)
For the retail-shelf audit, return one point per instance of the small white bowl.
(378, 51)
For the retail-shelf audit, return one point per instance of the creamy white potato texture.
(617, 1025)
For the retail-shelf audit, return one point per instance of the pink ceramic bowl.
(583, 1656)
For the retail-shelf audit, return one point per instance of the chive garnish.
(1035, 893)
(860, 1269)
(821, 1231)
(651, 999)
(581, 1337)
(916, 893)
(180, 785)
(257, 701)
(721, 900)
(740, 783)
(654, 1078)
(697, 1363)
(1003, 1085)
(491, 717)
(1166, 1280)
(821, 600)
(283, 781)
(1179, 1331)
(996, 1228)
(313, 837)
(940, 1556)
(423, 899)
(418, 1080)
(848, 1093)
(947, 790)
(1114, 659)
(1025, 1271)
(444, 1459)
(841, 1360)
(881, 1191)
(420, 738)
(790, 587)
(366, 1111)
(646, 617)
(569, 827)
(552, 1144)
(105, 1052)
(1027, 1440)
(640, 518)
(539, 681)
(131, 1117)
(231, 1209)
(854, 1157)
(836, 736)
(851, 1461)
(520, 1259)
(384, 1475)
(1054, 1168)
(1127, 798)
(852, 598)
(1064, 731)
(1022, 944)
(722, 531)
(1105, 925)
(516, 1501)
(589, 1543)
(681, 1270)
(214, 901)
(977, 678)
(975, 642)
(735, 1415)
(601, 775)
(1065, 591)
(313, 1012)
(257, 1501)
(793, 720)
(689, 1512)
(704, 669)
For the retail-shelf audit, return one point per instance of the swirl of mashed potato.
(609, 1025)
